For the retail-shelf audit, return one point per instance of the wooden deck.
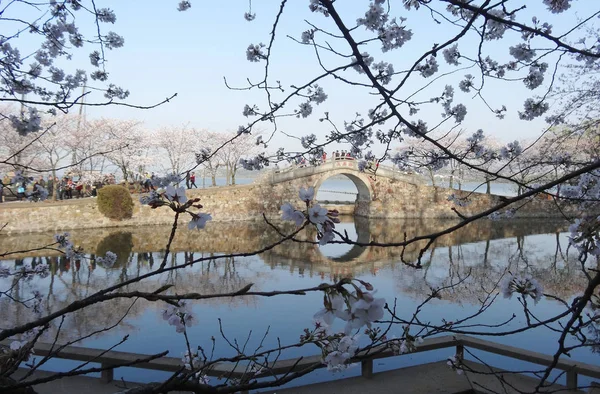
(109, 360)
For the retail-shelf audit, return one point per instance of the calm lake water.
(481, 253)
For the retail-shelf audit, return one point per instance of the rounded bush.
(120, 243)
(115, 202)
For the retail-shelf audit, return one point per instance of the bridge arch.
(360, 181)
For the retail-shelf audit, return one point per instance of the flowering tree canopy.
(405, 84)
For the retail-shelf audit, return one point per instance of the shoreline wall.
(390, 199)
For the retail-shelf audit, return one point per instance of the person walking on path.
(187, 180)
(193, 180)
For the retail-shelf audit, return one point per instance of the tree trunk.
(213, 178)
(488, 187)
(54, 185)
(233, 171)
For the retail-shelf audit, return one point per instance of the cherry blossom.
(289, 213)
(317, 214)
(176, 194)
(339, 351)
(199, 220)
(179, 316)
(108, 260)
(307, 195)
(525, 285)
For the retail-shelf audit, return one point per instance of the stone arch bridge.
(388, 193)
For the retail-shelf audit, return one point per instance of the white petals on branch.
(183, 6)
(179, 316)
(307, 195)
(176, 195)
(199, 221)
(289, 213)
(108, 260)
(317, 214)
(525, 285)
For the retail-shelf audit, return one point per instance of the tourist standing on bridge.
(324, 158)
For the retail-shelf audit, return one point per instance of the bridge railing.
(109, 359)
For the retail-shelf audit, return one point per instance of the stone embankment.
(379, 197)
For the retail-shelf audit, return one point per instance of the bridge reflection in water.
(483, 250)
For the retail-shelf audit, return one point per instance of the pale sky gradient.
(190, 52)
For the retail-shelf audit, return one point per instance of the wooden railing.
(171, 364)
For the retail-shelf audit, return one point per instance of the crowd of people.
(67, 187)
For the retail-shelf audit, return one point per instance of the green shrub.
(120, 243)
(114, 202)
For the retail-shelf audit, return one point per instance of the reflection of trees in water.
(120, 243)
(479, 247)
(485, 263)
(71, 281)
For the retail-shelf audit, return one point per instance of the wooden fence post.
(107, 375)
(366, 368)
(571, 379)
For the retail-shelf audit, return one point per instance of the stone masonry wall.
(391, 198)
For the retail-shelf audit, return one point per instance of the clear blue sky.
(190, 52)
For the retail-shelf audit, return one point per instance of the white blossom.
(289, 213)
(307, 194)
(179, 316)
(368, 60)
(375, 17)
(511, 150)
(106, 15)
(394, 36)
(466, 84)
(536, 75)
(317, 214)
(451, 55)
(336, 307)
(307, 36)
(339, 351)
(62, 239)
(368, 307)
(318, 95)
(305, 109)
(495, 30)
(176, 194)
(112, 40)
(525, 285)
(522, 52)
(183, 6)
(254, 52)
(199, 221)
(454, 363)
(557, 6)
(326, 236)
(108, 260)
(429, 68)
(533, 109)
